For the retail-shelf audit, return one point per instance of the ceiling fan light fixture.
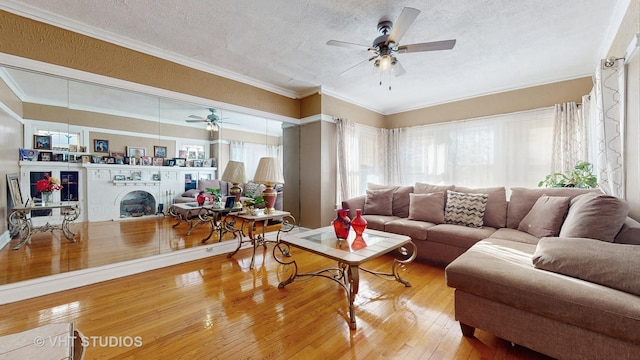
(209, 127)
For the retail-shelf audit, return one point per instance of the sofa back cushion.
(595, 216)
(378, 202)
(495, 214)
(522, 200)
(400, 198)
(424, 188)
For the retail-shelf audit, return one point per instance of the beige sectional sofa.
(555, 270)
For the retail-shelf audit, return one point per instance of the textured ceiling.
(280, 45)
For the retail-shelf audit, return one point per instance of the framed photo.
(135, 152)
(59, 158)
(160, 151)
(119, 177)
(197, 163)
(206, 163)
(96, 159)
(28, 154)
(118, 154)
(146, 160)
(169, 162)
(182, 162)
(229, 202)
(45, 155)
(109, 159)
(42, 142)
(73, 148)
(158, 161)
(14, 189)
(101, 146)
(82, 148)
(86, 159)
(156, 177)
(136, 175)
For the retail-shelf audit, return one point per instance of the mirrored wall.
(122, 157)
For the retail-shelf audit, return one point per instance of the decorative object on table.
(13, 183)
(42, 142)
(28, 154)
(342, 224)
(358, 243)
(580, 177)
(256, 212)
(359, 223)
(160, 151)
(216, 196)
(254, 202)
(47, 186)
(201, 198)
(101, 146)
(234, 173)
(269, 173)
(119, 177)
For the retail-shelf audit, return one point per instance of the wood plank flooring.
(217, 308)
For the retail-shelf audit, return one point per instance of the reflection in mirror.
(124, 158)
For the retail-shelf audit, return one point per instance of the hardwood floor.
(217, 308)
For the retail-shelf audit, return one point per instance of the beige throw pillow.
(614, 265)
(546, 216)
(378, 202)
(427, 207)
(595, 216)
(465, 209)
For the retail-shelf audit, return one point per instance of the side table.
(257, 239)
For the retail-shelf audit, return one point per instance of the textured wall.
(10, 141)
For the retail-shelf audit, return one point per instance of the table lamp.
(269, 173)
(234, 173)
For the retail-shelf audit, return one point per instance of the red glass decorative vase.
(342, 224)
(359, 224)
(201, 198)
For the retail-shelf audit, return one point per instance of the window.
(250, 154)
(60, 140)
(193, 152)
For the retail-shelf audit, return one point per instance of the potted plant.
(581, 177)
(216, 196)
(253, 204)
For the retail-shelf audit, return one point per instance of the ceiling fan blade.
(428, 46)
(195, 121)
(196, 117)
(358, 64)
(347, 45)
(399, 71)
(406, 18)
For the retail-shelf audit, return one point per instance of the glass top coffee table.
(349, 254)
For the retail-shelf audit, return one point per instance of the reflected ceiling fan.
(212, 120)
(387, 45)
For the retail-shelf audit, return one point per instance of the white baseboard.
(65, 281)
(4, 239)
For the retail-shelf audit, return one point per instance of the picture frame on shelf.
(136, 175)
(119, 161)
(100, 146)
(42, 142)
(15, 193)
(73, 148)
(118, 154)
(109, 159)
(158, 161)
(197, 163)
(86, 159)
(96, 159)
(146, 161)
(82, 148)
(45, 156)
(28, 154)
(59, 157)
(182, 162)
(206, 163)
(156, 177)
(169, 162)
(160, 151)
(135, 152)
(119, 177)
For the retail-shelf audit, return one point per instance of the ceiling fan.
(213, 121)
(387, 45)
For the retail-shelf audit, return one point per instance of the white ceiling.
(280, 45)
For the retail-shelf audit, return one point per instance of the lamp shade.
(268, 172)
(234, 172)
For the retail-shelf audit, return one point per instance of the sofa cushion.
(378, 202)
(427, 207)
(456, 235)
(253, 189)
(522, 200)
(502, 271)
(614, 265)
(515, 235)
(400, 202)
(629, 233)
(424, 188)
(495, 214)
(377, 222)
(465, 209)
(192, 193)
(595, 216)
(417, 230)
(546, 216)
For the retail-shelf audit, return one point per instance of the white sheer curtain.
(569, 137)
(505, 150)
(608, 118)
(250, 154)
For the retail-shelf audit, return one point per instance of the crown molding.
(84, 29)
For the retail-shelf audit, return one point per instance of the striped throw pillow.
(465, 208)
